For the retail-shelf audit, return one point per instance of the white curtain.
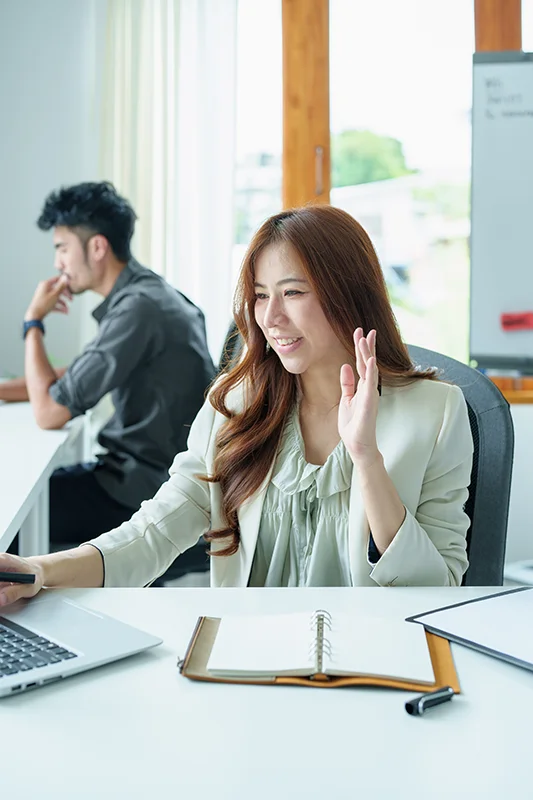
(206, 160)
(168, 140)
(138, 142)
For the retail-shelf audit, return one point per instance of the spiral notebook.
(318, 649)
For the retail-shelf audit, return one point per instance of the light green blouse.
(303, 534)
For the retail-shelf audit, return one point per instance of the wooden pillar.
(306, 136)
(498, 25)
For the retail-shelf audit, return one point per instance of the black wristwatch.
(32, 323)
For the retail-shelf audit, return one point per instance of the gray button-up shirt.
(151, 354)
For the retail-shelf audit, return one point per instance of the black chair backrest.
(231, 349)
(490, 486)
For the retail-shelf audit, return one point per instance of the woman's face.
(289, 313)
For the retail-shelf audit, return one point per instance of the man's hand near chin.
(50, 295)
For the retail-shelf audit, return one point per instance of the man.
(150, 353)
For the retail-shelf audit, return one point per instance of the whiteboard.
(501, 277)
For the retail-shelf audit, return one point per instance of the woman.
(298, 477)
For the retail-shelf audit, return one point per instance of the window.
(527, 26)
(259, 119)
(401, 76)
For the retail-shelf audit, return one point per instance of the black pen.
(419, 704)
(17, 577)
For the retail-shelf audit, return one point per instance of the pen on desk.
(418, 705)
(17, 577)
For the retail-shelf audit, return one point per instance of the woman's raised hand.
(358, 407)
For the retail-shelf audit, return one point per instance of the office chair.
(232, 347)
(490, 485)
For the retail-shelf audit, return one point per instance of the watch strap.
(32, 323)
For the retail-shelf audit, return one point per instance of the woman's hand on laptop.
(10, 592)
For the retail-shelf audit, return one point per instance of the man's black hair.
(92, 208)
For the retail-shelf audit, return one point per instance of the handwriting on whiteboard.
(500, 101)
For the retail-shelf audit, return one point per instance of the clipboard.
(487, 624)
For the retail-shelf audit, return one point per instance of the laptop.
(50, 638)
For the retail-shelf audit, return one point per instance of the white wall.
(49, 101)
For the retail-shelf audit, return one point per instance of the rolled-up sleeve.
(129, 333)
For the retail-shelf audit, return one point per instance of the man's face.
(71, 260)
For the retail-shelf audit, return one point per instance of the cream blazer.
(424, 436)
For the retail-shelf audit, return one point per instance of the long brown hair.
(341, 265)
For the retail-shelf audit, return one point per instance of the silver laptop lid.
(50, 637)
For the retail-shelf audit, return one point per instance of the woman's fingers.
(371, 339)
(347, 379)
(372, 373)
(359, 360)
(12, 592)
(365, 349)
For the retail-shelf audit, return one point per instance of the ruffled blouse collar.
(293, 474)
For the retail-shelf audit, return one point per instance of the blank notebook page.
(263, 644)
(376, 646)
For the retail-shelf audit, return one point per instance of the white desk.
(138, 729)
(28, 456)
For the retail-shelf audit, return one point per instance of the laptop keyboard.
(22, 650)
